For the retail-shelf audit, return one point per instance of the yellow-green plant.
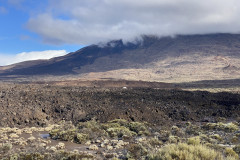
(183, 151)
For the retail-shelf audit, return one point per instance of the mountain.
(181, 58)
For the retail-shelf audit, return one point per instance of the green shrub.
(192, 129)
(227, 127)
(121, 122)
(177, 131)
(237, 149)
(230, 152)
(194, 141)
(5, 147)
(235, 140)
(31, 156)
(164, 135)
(93, 130)
(65, 135)
(173, 139)
(59, 155)
(81, 138)
(155, 142)
(93, 125)
(183, 151)
(65, 155)
(106, 126)
(216, 136)
(120, 132)
(139, 128)
(136, 151)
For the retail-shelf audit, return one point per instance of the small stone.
(54, 149)
(106, 141)
(31, 138)
(102, 145)
(114, 141)
(27, 130)
(42, 145)
(98, 141)
(118, 146)
(109, 147)
(13, 135)
(23, 143)
(49, 128)
(48, 141)
(141, 139)
(88, 143)
(93, 147)
(5, 137)
(60, 145)
(121, 143)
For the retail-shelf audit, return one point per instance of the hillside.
(182, 58)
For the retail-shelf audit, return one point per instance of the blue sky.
(16, 38)
(37, 29)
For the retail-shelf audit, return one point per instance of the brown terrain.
(116, 120)
(159, 98)
(39, 104)
(183, 58)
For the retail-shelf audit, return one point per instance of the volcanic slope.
(182, 58)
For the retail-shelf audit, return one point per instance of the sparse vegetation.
(194, 141)
(92, 130)
(122, 139)
(58, 155)
(183, 129)
(183, 151)
(228, 127)
(136, 151)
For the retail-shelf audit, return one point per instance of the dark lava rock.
(42, 104)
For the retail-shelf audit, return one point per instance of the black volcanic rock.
(40, 103)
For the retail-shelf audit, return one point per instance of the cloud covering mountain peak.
(92, 21)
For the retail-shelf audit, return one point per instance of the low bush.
(120, 132)
(59, 155)
(227, 127)
(183, 151)
(216, 136)
(231, 152)
(192, 129)
(194, 141)
(237, 149)
(93, 130)
(136, 151)
(138, 128)
(155, 142)
(81, 138)
(5, 147)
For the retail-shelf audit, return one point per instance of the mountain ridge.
(158, 57)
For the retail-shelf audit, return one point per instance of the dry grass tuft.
(183, 151)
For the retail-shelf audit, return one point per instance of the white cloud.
(92, 21)
(25, 56)
(3, 10)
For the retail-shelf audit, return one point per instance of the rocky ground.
(52, 121)
(38, 105)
